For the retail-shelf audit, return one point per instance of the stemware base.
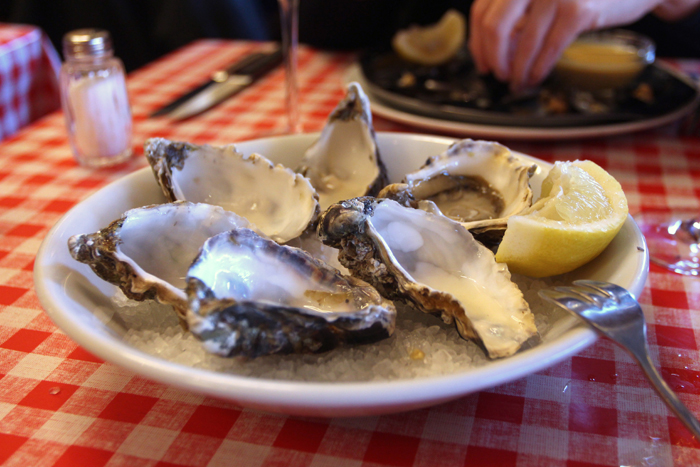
(673, 240)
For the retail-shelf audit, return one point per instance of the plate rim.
(354, 73)
(304, 397)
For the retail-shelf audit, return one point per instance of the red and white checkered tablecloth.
(61, 406)
(29, 67)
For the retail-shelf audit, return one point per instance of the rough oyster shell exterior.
(345, 161)
(249, 296)
(434, 264)
(477, 183)
(146, 252)
(279, 202)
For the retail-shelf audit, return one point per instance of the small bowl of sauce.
(605, 60)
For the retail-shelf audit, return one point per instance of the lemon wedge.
(433, 44)
(580, 210)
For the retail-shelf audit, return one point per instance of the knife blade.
(222, 85)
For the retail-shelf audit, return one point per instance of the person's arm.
(520, 40)
(674, 10)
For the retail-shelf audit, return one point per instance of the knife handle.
(257, 64)
(254, 65)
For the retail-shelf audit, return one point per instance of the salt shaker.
(94, 99)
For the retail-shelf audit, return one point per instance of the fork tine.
(587, 295)
(598, 295)
(606, 288)
(568, 298)
(574, 300)
(620, 295)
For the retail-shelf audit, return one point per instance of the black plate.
(455, 91)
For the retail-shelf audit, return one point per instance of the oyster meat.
(433, 263)
(310, 243)
(345, 162)
(279, 202)
(477, 183)
(249, 296)
(146, 252)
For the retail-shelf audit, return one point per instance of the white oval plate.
(73, 297)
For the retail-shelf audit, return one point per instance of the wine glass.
(289, 19)
(673, 240)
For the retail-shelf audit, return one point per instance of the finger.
(569, 21)
(482, 10)
(476, 16)
(498, 27)
(537, 22)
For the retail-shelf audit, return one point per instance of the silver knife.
(222, 85)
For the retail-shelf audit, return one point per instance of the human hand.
(520, 40)
(674, 10)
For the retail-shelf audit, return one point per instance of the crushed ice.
(154, 329)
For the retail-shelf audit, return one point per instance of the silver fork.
(614, 313)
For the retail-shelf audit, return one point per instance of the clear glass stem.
(289, 17)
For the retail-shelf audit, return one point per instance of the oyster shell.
(146, 252)
(249, 297)
(477, 183)
(279, 202)
(433, 263)
(345, 162)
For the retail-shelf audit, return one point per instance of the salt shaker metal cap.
(87, 42)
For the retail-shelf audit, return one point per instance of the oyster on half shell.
(146, 252)
(279, 202)
(345, 162)
(477, 183)
(434, 264)
(249, 296)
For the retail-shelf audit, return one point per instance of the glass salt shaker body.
(94, 99)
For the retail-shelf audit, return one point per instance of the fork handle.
(641, 354)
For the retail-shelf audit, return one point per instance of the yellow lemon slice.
(581, 209)
(433, 44)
